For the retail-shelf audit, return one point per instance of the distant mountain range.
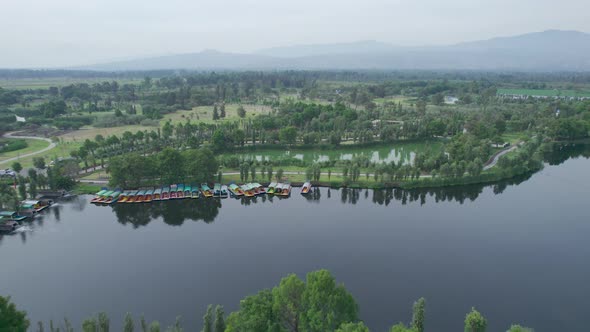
(552, 50)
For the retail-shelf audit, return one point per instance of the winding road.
(13, 135)
(494, 160)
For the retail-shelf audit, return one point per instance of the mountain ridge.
(549, 50)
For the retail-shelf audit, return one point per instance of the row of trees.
(316, 304)
(133, 170)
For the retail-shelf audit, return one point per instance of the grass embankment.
(86, 188)
(32, 146)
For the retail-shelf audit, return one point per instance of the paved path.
(494, 160)
(13, 135)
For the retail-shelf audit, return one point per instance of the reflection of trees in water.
(173, 212)
(314, 195)
(563, 152)
(350, 195)
(448, 194)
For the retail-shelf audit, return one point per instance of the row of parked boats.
(181, 191)
(9, 220)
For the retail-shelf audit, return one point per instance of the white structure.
(20, 119)
(450, 100)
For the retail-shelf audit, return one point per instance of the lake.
(518, 251)
(399, 153)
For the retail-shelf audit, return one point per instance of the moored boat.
(224, 191)
(139, 197)
(188, 193)
(278, 189)
(165, 193)
(123, 197)
(112, 198)
(102, 197)
(306, 188)
(217, 190)
(286, 189)
(173, 188)
(8, 225)
(11, 215)
(207, 192)
(149, 196)
(98, 195)
(157, 194)
(235, 190)
(260, 190)
(180, 191)
(248, 191)
(195, 193)
(271, 188)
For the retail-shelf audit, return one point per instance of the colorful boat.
(8, 225)
(129, 195)
(11, 215)
(278, 189)
(180, 191)
(286, 189)
(139, 197)
(235, 190)
(98, 195)
(260, 190)
(195, 193)
(271, 188)
(207, 192)
(224, 191)
(149, 196)
(216, 190)
(173, 188)
(112, 198)
(102, 197)
(306, 188)
(248, 191)
(157, 194)
(166, 193)
(123, 197)
(188, 193)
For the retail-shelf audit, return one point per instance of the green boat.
(187, 192)
(101, 198)
(206, 190)
(271, 188)
(180, 191)
(11, 215)
(112, 198)
(195, 193)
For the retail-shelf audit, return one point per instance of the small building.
(20, 119)
(450, 100)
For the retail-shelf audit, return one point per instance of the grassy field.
(546, 93)
(33, 145)
(45, 83)
(61, 150)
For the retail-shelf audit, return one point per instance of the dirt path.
(14, 135)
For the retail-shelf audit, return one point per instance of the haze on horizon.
(65, 33)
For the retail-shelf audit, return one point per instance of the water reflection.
(173, 212)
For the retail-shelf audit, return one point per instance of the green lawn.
(33, 145)
(61, 150)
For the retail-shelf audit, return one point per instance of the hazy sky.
(48, 33)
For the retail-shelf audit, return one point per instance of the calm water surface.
(517, 251)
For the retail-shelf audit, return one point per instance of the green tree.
(280, 174)
(88, 325)
(255, 314)
(287, 302)
(288, 135)
(169, 162)
(400, 327)
(475, 322)
(17, 167)
(39, 162)
(253, 172)
(309, 174)
(418, 315)
(269, 174)
(353, 327)
(518, 328)
(219, 319)
(128, 325)
(241, 111)
(155, 327)
(326, 304)
(103, 322)
(208, 320)
(222, 110)
(12, 319)
(143, 324)
(22, 187)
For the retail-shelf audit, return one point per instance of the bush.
(12, 145)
